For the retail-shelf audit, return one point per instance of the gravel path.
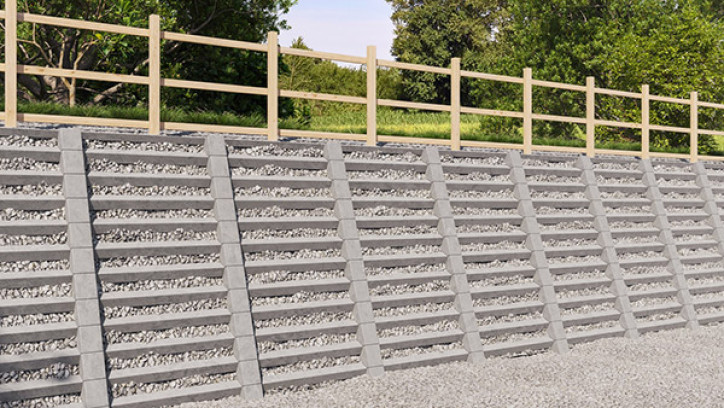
(680, 368)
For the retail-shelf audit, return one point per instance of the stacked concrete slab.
(146, 271)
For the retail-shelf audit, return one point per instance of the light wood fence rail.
(155, 83)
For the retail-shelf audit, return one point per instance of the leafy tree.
(320, 76)
(432, 32)
(68, 48)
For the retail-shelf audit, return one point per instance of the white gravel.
(277, 171)
(158, 260)
(280, 192)
(193, 306)
(55, 401)
(478, 176)
(285, 276)
(27, 141)
(680, 368)
(11, 214)
(291, 233)
(147, 146)
(408, 157)
(321, 340)
(441, 326)
(481, 161)
(129, 190)
(412, 309)
(33, 266)
(116, 337)
(41, 189)
(179, 234)
(299, 297)
(131, 388)
(388, 290)
(384, 211)
(310, 319)
(27, 164)
(57, 371)
(57, 239)
(37, 347)
(276, 150)
(275, 211)
(153, 359)
(123, 213)
(35, 319)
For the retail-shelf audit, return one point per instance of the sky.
(341, 26)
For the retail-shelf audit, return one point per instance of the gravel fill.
(322, 340)
(35, 319)
(483, 228)
(193, 306)
(630, 210)
(562, 243)
(412, 309)
(579, 275)
(125, 235)
(304, 320)
(605, 165)
(502, 245)
(678, 368)
(15, 349)
(141, 167)
(531, 296)
(11, 214)
(129, 190)
(384, 211)
(27, 164)
(588, 327)
(557, 195)
(42, 189)
(116, 337)
(482, 161)
(280, 192)
(291, 233)
(506, 194)
(147, 146)
(27, 141)
(674, 182)
(618, 180)
(615, 226)
(546, 210)
(552, 178)
(436, 348)
(621, 195)
(188, 282)
(375, 192)
(662, 168)
(586, 309)
(512, 337)
(390, 290)
(276, 150)
(158, 260)
(441, 326)
(275, 211)
(277, 171)
(659, 317)
(131, 388)
(412, 269)
(488, 320)
(61, 290)
(567, 225)
(416, 230)
(153, 359)
(299, 297)
(33, 266)
(484, 211)
(57, 239)
(285, 276)
(408, 157)
(478, 176)
(567, 294)
(502, 281)
(653, 301)
(323, 362)
(283, 255)
(546, 163)
(55, 401)
(124, 213)
(57, 371)
(412, 249)
(400, 176)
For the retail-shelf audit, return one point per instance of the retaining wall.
(143, 271)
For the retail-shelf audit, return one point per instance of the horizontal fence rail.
(272, 91)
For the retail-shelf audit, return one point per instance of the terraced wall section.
(143, 271)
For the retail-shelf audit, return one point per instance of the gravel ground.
(679, 368)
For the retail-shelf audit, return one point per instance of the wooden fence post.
(694, 125)
(11, 63)
(455, 104)
(527, 110)
(273, 86)
(590, 116)
(645, 121)
(154, 74)
(371, 95)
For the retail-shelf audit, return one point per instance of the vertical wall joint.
(371, 355)
(451, 248)
(241, 325)
(662, 223)
(613, 269)
(94, 392)
(534, 242)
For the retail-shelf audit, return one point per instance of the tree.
(68, 48)
(432, 32)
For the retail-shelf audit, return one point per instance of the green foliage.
(247, 20)
(675, 46)
(320, 76)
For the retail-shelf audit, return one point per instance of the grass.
(389, 122)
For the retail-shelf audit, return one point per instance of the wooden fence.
(155, 82)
